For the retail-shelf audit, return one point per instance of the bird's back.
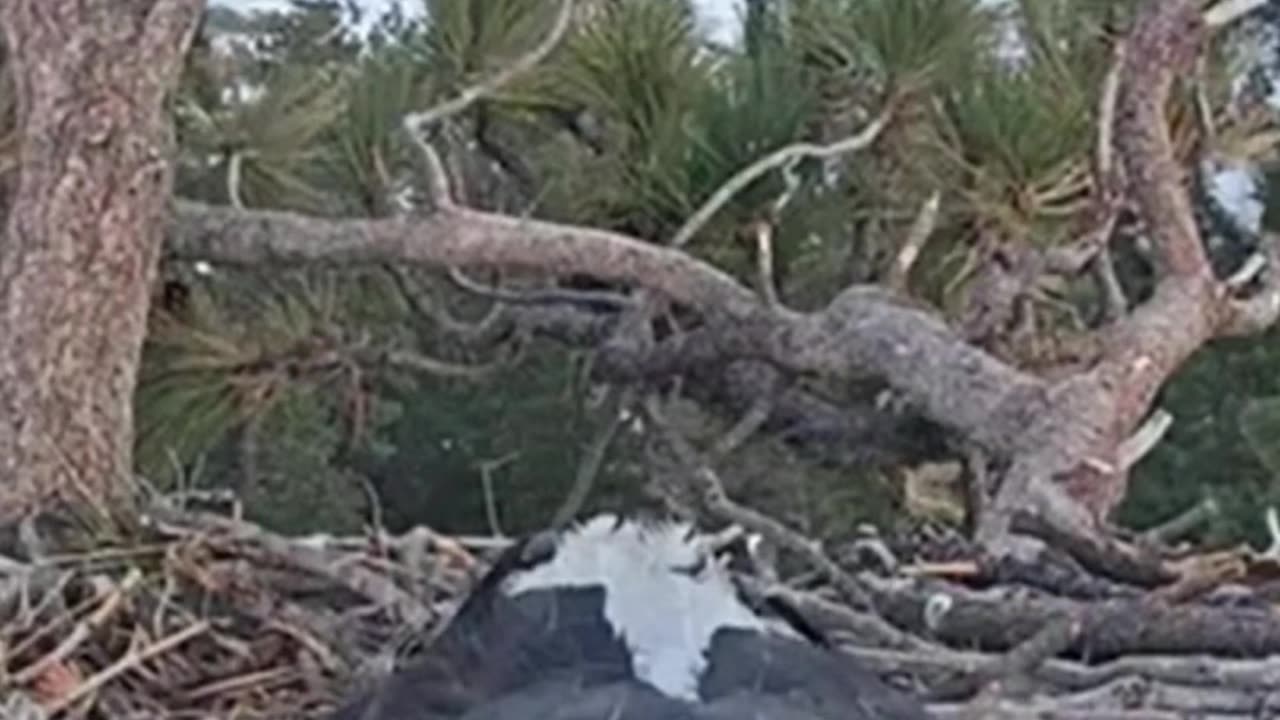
(580, 632)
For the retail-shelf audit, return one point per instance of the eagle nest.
(205, 615)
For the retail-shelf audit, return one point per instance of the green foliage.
(465, 41)
(904, 44)
(632, 123)
(261, 144)
(636, 70)
(1220, 444)
(366, 147)
(301, 482)
(1260, 424)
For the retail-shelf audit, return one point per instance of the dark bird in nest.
(619, 619)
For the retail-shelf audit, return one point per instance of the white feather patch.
(664, 616)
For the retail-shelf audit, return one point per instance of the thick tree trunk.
(81, 241)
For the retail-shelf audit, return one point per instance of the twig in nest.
(82, 630)
(877, 548)
(593, 458)
(743, 178)
(835, 616)
(131, 659)
(1051, 640)
(1105, 556)
(921, 229)
(717, 501)
(367, 584)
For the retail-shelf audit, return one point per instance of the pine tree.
(328, 324)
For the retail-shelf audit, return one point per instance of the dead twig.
(81, 632)
(130, 660)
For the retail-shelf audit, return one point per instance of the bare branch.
(921, 228)
(439, 186)
(1105, 149)
(764, 263)
(453, 237)
(782, 156)
(234, 164)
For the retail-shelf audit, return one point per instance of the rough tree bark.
(82, 239)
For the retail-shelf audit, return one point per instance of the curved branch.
(777, 158)
(864, 332)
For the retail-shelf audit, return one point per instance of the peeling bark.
(82, 238)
